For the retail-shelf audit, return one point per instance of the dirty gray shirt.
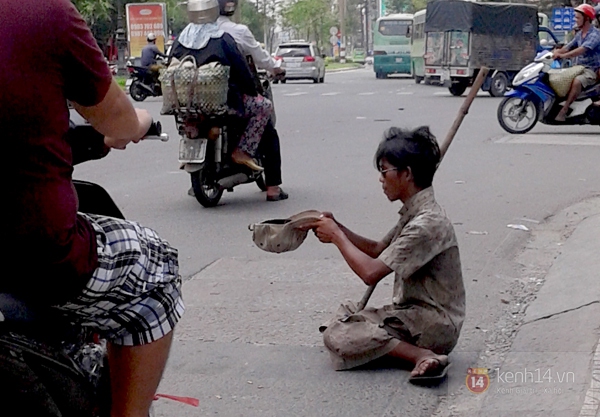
(422, 250)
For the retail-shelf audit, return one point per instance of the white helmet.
(203, 11)
(151, 37)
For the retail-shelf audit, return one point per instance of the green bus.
(417, 46)
(391, 45)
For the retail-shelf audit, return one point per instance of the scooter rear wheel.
(136, 91)
(514, 110)
(206, 190)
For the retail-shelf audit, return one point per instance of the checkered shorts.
(134, 296)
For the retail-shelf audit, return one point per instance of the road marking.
(405, 93)
(300, 93)
(442, 93)
(370, 93)
(330, 94)
(549, 139)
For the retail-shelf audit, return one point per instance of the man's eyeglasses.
(384, 171)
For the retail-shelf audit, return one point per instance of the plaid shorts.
(134, 296)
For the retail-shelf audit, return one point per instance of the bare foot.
(430, 365)
(561, 117)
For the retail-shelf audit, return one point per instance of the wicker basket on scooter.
(560, 79)
(189, 88)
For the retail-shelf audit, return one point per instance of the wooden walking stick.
(464, 110)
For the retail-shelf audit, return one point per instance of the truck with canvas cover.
(463, 36)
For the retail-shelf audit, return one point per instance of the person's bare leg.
(575, 90)
(135, 372)
(426, 360)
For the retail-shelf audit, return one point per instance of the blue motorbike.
(532, 99)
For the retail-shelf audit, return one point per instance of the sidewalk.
(553, 367)
(542, 357)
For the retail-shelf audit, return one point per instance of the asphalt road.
(238, 329)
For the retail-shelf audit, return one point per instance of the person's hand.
(145, 121)
(557, 54)
(278, 71)
(326, 229)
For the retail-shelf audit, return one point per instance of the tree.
(405, 6)
(310, 19)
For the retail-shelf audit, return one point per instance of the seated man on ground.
(585, 48)
(423, 322)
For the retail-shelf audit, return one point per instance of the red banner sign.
(142, 19)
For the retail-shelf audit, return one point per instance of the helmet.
(227, 7)
(203, 11)
(586, 10)
(151, 37)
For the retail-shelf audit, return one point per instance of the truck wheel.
(380, 75)
(458, 88)
(499, 85)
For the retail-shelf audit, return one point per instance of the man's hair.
(417, 149)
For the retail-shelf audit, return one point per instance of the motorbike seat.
(16, 310)
(592, 91)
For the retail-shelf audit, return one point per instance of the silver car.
(301, 61)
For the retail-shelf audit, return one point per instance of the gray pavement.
(249, 346)
(253, 316)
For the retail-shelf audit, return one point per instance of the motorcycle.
(532, 100)
(144, 83)
(205, 148)
(50, 366)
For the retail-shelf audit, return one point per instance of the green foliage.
(405, 6)
(310, 19)
(251, 17)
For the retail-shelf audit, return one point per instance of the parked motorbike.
(532, 100)
(205, 148)
(50, 366)
(144, 83)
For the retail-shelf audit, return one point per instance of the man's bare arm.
(116, 118)
(370, 269)
(575, 52)
(369, 247)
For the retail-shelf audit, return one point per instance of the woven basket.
(560, 79)
(187, 87)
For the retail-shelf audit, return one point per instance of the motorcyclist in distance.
(150, 52)
(248, 45)
(585, 48)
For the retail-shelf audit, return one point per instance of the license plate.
(128, 82)
(292, 65)
(399, 60)
(445, 75)
(192, 150)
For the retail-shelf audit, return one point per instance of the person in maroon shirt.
(112, 274)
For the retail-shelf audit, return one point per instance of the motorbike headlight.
(527, 73)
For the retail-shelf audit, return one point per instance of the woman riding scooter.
(203, 40)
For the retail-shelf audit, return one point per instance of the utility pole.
(121, 39)
(366, 27)
(342, 6)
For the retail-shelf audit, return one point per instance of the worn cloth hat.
(282, 235)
